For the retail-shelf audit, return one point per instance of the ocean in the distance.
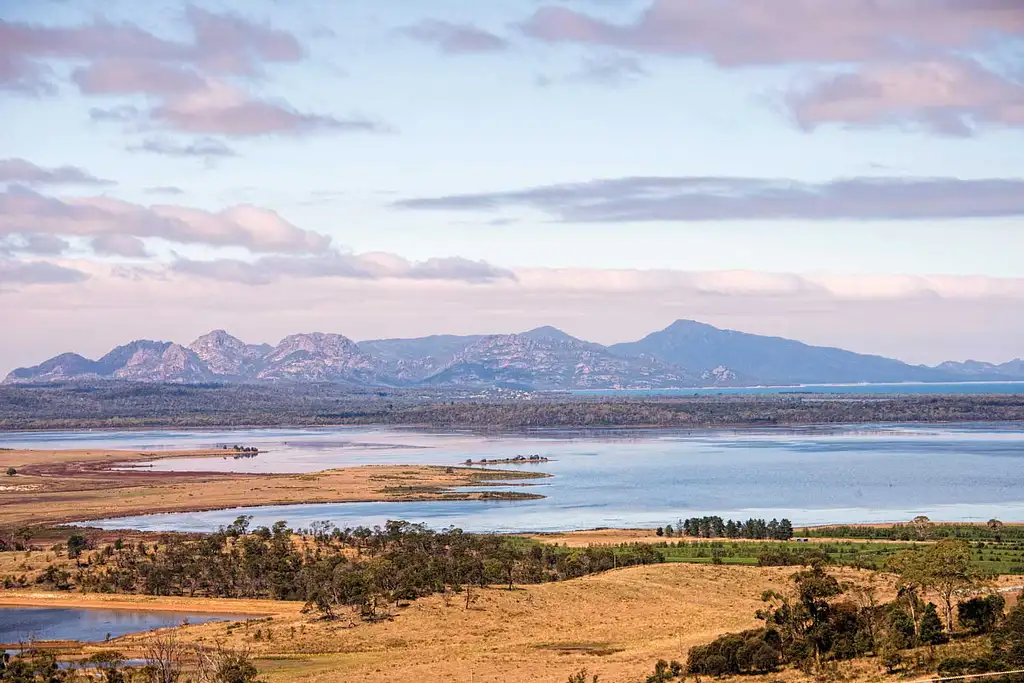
(625, 478)
(895, 388)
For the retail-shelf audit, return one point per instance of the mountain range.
(684, 354)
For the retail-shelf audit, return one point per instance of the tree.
(223, 665)
(1012, 635)
(922, 527)
(996, 527)
(76, 544)
(949, 571)
(981, 614)
(944, 568)
(11, 471)
(164, 655)
(891, 658)
(931, 630)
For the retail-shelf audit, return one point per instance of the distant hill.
(771, 360)
(972, 369)
(685, 354)
(414, 360)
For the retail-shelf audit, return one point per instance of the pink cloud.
(223, 42)
(185, 80)
(112, 76)
(119, 245)
(747, 32)
(23, 212)
(230, 43)
(220, 108)
(953, 97)
(456, 38)
(24, 172)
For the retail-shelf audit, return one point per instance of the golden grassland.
(616, 624)
(55, 487)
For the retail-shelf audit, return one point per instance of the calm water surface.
(626, 478)
(892, 389)
(23, 624)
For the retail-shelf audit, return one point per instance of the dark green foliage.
(902, 632)
(1006, 651)
(716, 527)
(367, 570)
(754, 651)
(890, 658)
(981, 614)
(235, 667)
(965, 666)
(911, 532)
(1010, 639)
(76, 544)
(932, 631)
(780, 556)
(809, 627)
(665, 671)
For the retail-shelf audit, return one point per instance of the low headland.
(48, 487)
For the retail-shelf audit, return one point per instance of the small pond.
(25, 624)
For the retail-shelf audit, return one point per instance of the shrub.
(753, 651)
(891, 658)
(981, 615)
(965, 666)
(581, 677)
(931, 630)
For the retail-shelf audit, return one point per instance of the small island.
(518, 460)
(241, 452)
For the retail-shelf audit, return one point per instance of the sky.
(848, 173)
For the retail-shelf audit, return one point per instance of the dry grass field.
(54, 487)
(615, 624)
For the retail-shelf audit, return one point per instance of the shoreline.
(131, 602)
(472, 428)
(76, 486)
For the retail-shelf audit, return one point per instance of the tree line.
(331, 569)
(922, 529)
(128, 404)
(716, 527)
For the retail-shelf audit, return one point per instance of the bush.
(901, 629)
(891, 658)
(11, 471)
(753, 651)
(932, 631)
(581, 677)
(981, 615)
(965, 666)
